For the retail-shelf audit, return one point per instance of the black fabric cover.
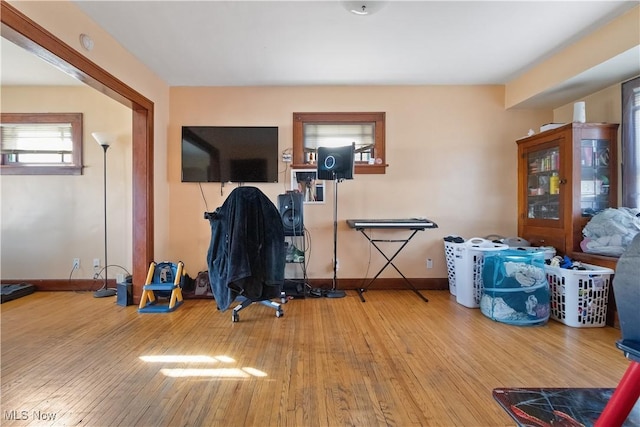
(246, 255)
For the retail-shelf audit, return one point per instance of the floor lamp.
(103, 141)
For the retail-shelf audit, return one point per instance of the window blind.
(336, 135)
(36, 138)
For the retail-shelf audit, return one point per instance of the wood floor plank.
(393, 360)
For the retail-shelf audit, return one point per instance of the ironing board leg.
(623, 399)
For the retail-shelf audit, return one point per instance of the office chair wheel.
(279, 313)
(235, 317)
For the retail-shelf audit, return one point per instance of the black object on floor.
(11, 292)
(316, 292)
(294, 288)
(558, 406)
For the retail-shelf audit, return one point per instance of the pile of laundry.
(610, 232)
(565, 262)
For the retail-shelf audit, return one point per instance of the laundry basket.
(450, 244)
(579, 298)
(469, 258)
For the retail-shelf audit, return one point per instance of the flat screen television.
(230, 154)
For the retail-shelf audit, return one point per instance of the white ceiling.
(249, 43)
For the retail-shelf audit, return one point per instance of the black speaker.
(290, 205)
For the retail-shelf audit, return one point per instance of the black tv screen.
(229, 154)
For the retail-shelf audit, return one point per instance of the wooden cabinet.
(565, 176)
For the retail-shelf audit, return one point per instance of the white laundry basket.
(469, 260)
(450, 256)
(579, 298)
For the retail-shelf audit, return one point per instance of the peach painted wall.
(49, 220)
(602, 106)
(451, 152)
(64, 20)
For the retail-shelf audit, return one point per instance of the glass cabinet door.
(543, 184)
(595, 176)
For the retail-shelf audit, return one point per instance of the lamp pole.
(105, 291)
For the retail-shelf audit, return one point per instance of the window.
(41, 144)
(631, 143)
(367, 130)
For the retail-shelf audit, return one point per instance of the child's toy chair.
(163, 280)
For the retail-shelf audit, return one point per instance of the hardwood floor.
(394, 360)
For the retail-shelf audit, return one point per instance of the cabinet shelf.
(549, 172)
(553, 197)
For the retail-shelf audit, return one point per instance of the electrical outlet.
(286, 157)
(96, 262)
(429, 263)
(76, 263)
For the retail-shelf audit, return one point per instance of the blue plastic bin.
(515, 288)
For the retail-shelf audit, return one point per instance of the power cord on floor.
(98, 275)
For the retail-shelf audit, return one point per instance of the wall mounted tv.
(230, 154)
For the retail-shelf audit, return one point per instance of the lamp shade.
(103, 138)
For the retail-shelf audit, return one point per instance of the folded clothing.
(610, 232)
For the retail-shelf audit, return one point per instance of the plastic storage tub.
(548, 251)
(521, 244)
(579, 298)
(515, 288)
(515, 242)
(469, 258)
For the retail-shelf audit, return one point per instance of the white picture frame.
(306, 182)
